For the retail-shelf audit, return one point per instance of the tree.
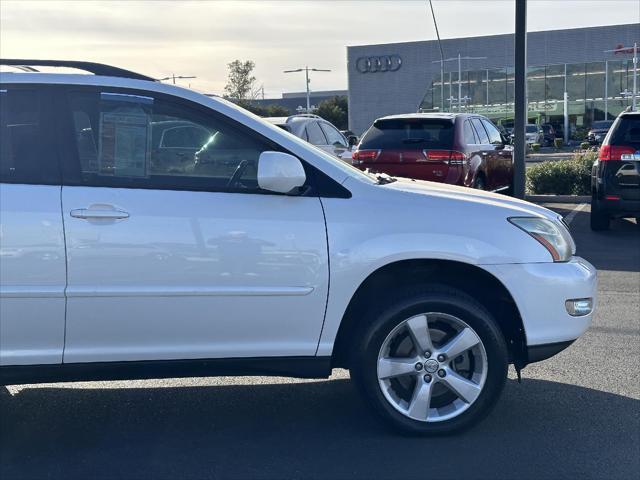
(241, 83)
(335, 110)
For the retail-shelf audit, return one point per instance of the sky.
(199, 38)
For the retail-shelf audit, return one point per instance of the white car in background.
(316, 131)
(232, 247)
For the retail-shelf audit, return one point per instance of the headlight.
(551, 235)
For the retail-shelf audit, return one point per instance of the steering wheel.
(237, 175)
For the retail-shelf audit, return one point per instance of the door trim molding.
(188, 291)
(298, 367)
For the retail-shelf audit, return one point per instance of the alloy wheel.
(432, 367)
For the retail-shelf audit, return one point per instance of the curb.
(558, 198)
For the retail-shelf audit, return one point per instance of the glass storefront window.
(576, 81)
(554, 75)
(594, 82)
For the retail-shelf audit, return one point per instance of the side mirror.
(353, 140)
(280, 172)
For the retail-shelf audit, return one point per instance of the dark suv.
(460, 149)
(615, 178)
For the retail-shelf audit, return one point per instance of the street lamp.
(459, 58)
(173, 77)
(306, 71)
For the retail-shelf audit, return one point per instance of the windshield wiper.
(384, 178)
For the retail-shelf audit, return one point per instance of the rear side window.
(627, 132)
(480, 131)
(409, 133)
(26, 151)
(314, 134)
(135, 141)
(469, 134)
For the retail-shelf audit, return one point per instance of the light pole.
(459, 58)
(173, 77)
(306, 71)
(441, 59)
(635, 71)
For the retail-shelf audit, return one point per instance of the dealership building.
(575, 77)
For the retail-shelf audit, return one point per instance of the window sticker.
(125, 142)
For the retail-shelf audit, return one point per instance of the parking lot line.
(578, 208)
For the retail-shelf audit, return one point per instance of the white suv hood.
(513, 206)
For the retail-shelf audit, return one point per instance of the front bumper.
(540, 291)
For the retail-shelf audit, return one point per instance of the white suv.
(149, 231)
(317, 131)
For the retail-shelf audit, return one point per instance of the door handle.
(90, 213)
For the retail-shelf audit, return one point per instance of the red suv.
(460, 149)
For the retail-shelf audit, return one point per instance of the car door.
(189, 262)
(502, 156)
(335, 139)
(32, 256)
(486, 149)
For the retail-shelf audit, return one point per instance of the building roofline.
(444, 40)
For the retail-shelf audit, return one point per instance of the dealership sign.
(382, 63)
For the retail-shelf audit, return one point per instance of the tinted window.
(494, 134)
(407, 133)
(602, 124)
(531, 128)
(314, 134)
(143, 142)
(627, 132)
(480, 131)
(469, 134)
(26, 153)
(334, 137)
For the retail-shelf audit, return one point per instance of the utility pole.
(441, 59)
(520, 105)
(306, 71)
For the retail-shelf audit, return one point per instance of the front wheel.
(432, 362)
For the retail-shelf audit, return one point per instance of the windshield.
(532, 129)
(602, 124)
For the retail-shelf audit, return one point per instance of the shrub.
(558, 142)
(562, 177)
(585, 145)
(535, 147)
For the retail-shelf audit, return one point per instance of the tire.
(599, 219)
(385, 328)
(479, 183)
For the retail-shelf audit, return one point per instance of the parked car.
(615, 178)
(317, 131)
(598, 131)
(458, 149)
(533, 134)
(548, 133)
(224, 267)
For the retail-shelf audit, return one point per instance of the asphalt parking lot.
(574, 416)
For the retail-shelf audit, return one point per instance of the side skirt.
(298, 367)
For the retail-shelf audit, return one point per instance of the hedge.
(562, 177)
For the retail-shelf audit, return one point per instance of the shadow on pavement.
(540, 429)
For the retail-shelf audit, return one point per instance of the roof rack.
(91, 67)
(304, 115)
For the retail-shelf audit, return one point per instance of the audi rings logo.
(383, 63)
